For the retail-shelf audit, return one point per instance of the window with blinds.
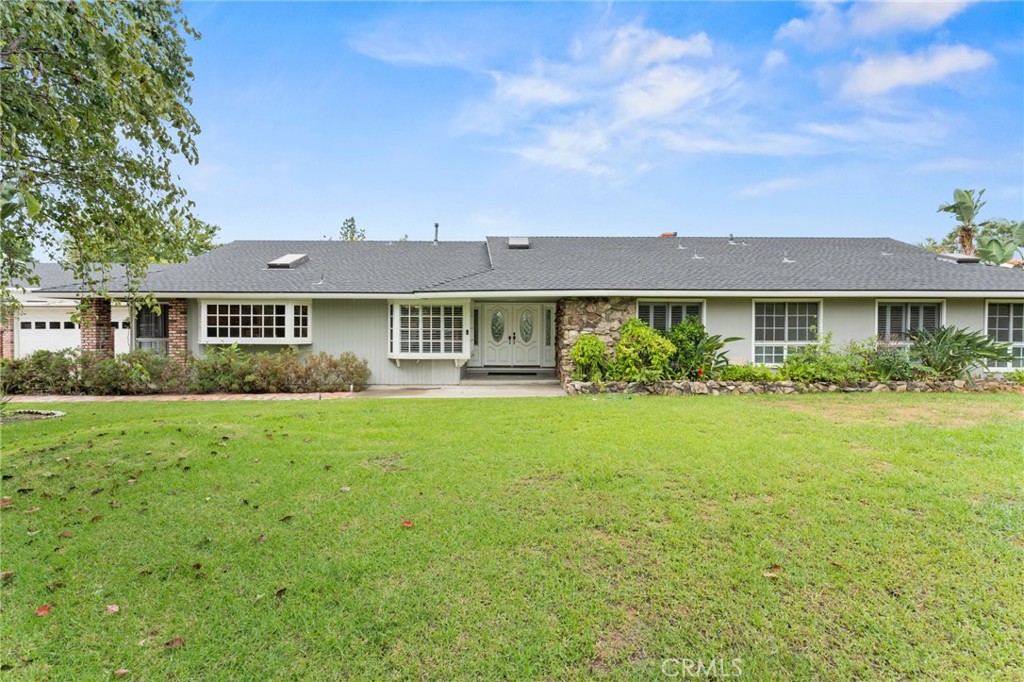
(151, 329)
(663, 316)
(897, 320)
(427, 330)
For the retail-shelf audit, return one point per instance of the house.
(44, 323)
(433, 312)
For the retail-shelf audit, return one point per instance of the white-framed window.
(1004, 322)
(780, 326)
(429, 329)
(663, 315)
(896, 319)
(151, 329)
(255, 322)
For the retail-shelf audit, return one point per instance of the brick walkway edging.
(790, 387)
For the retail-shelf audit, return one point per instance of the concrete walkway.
(516, 390)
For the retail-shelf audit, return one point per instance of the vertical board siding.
(361, 327)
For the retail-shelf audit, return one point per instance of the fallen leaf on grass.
(113, 608)
(5, 502)
(287, 517)
(6, 577)
(175, 643)
(25, 491)
(280, 592)
(43, 610)
(120, 672)
(407, 524)
(33, 510)
(345, 489)
(773, 572)
(837, 564)
(261, 539)
(95, 518)
(115, 504)
(54, 586)
(131, 481)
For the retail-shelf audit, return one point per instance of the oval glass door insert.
(497, 326)
(526, 326)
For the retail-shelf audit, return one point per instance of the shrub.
(697, 355)
(883, 361)
(747, 373)
(322, 372)
(1016, 376)
(589, 357)
(951, 352)
(42, 372)
(819, 362)
(641, 354)
(225, 369)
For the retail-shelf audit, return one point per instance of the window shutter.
(644, 312)
(693, 310)
(883, 321)
(930, 317)
(659, 315)
(676, 317)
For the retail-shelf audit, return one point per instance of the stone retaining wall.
(788, 387)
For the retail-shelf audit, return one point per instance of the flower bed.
(786, 387)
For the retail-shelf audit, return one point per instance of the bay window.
(428, 330)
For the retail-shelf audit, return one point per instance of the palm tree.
(965, 207)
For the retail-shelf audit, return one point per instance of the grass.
(552, 539)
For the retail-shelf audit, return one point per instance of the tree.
(351, 233)
(1005, 242)
(94, 110)
(965, 208)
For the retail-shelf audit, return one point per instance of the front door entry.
(512, 335)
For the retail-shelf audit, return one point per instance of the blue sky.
(604, 119)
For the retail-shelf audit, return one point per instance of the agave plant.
(951, 352)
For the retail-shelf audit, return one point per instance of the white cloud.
(774, 59)
(664, 90)
(830, 25)
(633, 47)
(882, 74)
(877, 18)
(531, 90)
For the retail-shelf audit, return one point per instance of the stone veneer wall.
(97, 334)
(177, 329)
(600, 316)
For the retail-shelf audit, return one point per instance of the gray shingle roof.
(580, 264)
(334, 267)
(713, 263)
(53, 276)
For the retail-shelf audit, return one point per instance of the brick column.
(177, 329)
(6, 335)
(97, 335)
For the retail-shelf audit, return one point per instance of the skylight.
(287, 261)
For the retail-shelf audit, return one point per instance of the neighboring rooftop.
(575, 264)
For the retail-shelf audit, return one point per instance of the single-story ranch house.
(431, 312)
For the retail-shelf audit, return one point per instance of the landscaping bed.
(790, 387)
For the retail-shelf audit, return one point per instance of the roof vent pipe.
(437, 226)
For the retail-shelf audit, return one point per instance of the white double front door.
(512, 334)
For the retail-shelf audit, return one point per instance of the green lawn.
(552, 539)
